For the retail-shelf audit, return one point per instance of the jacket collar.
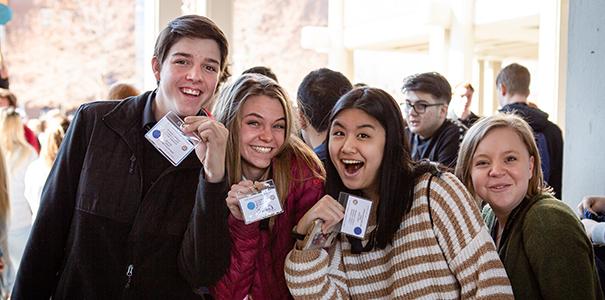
(129, 117)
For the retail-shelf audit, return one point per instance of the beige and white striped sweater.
(454, 259)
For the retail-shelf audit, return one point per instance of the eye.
(181, 62)
(363, 136)
(253, 123)
(338, 133)
(211, 68)
(481, 163)
(421, 106)
(511, 158)
(279, 126)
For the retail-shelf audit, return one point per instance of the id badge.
(261, 203)
(317, 239)
(168, 138)
(357, 214)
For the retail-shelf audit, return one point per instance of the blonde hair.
(228, 112)
(4, 201)
(12, 138)
(477, 133)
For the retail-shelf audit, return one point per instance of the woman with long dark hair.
(415, 246)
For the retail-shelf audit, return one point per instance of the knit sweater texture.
(452, 257)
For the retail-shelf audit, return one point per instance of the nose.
(266, 135)
(349, 145)
(194, 74)
(497, 169)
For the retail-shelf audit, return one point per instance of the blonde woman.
(6, 267)
(19, 154)
(38, 171)
(541, 242)
(261, 145)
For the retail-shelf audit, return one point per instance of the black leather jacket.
(97, 236)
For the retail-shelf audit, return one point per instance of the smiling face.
(356, 149)
(262, 133)
(187, 78)
(501, 170)
(424, 124)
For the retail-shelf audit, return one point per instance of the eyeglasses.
(419, 107)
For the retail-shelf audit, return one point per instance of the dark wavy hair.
(397, 172)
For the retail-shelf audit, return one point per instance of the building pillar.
(583, 155)
(552, 59)
(461, 41)
(339, 58)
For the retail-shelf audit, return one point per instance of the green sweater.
(545, 251)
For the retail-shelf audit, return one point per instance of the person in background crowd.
(114, 212)
(8, 99)
(499, 164)
(317, 94)
(37, 172)
(512, 85)
(430, 134)
(121, 90)
(461, 108)
(413, 248)
(262, 145)
(261, 70)
(19, 154)
(6, 265)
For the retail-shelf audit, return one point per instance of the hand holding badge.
(260, 203)
(170, 140)
(354, 222)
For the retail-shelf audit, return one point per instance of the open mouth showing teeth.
(261, 149)
(352, 165)
(191, 92)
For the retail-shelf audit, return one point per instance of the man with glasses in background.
(430, 134)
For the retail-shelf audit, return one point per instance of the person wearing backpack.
(512, 84)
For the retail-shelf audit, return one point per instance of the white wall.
(584, 154)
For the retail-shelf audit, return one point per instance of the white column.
(490, 100)
(461, 41)
(583, 158)
(221, 12)
(151, 17)
(340, 58)
(438, 48)
(552, 59)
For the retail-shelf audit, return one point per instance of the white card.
(169, 139)
(260, 205)
(357, 214)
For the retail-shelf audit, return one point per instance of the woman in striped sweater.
(415, 247)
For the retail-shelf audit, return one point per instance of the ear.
(155, 66)
(531, 167)
(443, 110)
(502, 89)
(302, 120)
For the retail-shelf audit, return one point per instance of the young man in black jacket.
(117, 220)
(430, 134)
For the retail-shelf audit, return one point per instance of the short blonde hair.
(479, 131)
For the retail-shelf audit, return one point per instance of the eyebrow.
(187, 55)
(253, 114)
(336, 123)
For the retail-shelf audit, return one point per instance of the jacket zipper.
(129, 272)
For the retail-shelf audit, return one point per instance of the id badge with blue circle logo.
(357, 214)
(262, 202)
(170, 140)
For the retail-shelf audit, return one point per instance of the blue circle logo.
(251, 205)
(156, 133)
(357, 230)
